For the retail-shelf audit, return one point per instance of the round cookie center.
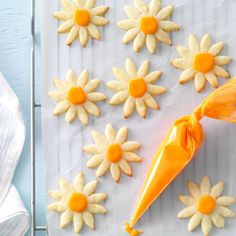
(77, 202)
(81, 17)
(206, 205)
(204, 62)
(76, 95)
(149, 24)
(137, 87)
(114, 153)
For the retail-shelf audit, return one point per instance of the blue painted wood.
(15, 65)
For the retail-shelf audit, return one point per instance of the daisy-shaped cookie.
(81, 20)
(205, 206)
(134, 87)
(76, 97)
(77, 203)
(112, 151)
(201, 62)
(147, 24)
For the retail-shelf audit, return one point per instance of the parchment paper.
(62, 143)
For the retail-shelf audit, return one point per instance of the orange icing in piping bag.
(132, 232)
(182, 143)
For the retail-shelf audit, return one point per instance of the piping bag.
(181, 144)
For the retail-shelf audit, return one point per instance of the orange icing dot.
(206, 204)
(149, 24)
(76, 95)
(77, 202)
(114, 153)
(204, 62)
(137, 87)
(81, 17)
(132, 232)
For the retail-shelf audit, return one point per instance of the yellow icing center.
(77, 202)
(81, 17)
(137, 87)
(206, 204)
(114, 153)
(76, 95)
(149, 24)
(204, 62)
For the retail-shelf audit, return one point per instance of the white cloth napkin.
(14, 218)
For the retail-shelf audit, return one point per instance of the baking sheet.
(62, 143)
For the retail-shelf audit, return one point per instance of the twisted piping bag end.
(131, 231)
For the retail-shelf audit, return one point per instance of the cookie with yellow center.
(81, 20)
(201, 62)
(135, 88)
(205, 206)
(77, 97)
(77, 203)
(147, 24)
(112, 151)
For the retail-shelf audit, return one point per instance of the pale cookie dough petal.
(187, 200)
(66, 219)
(91, 108)
(68, 5)
(130, 35)
(183, 52)
(96, 97)
(169, 26)
(110, 133)
(205, 43)
(115, 172)
(205, 186)
(99, 11)
(126, 24)
(91, 149)
(163, 37)
(119, 97)
(71, 114)
(57, 207)
(99, 138)
(129, 107)
(130, 156)
(60, 85)
(83, 115)
(144, 68)
(187, 212)
(216, 49)
(225, 212)
(217, 220)
(65, 186)
(193, 43)
(130, 68)
(99, 20)
(78, 222)
(221, 72)
(151, 43)
(193, 189)
(141, 6)
(182, 63)
(140, 107)
(212, 79)
(90, 187)
(125, 167)
(122, 135)
(217, 189)
(139, 41)
(154, 7)
(97, 197)
(152, 77)
(222, 60)
(187, 75)
(57, 195)
(132, 12)
(206, 225)
(66, 26)
(91, 85)
(62, 15)
(78, 182)
(195, 221)
(90, 4)
(61, 108)
(79, 3)
(117, 86)
(151, 102)
(130, 146)
(120, 74)
(57, 96)
(225, 201)
(165, 13)
(88, 219)
(103, 168)
(96, 209)
(155, 89)
(71, 78)
(83, 36)
(95, 161)
(73, 34)
(93, 31)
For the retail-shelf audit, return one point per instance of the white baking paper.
(62, 143)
